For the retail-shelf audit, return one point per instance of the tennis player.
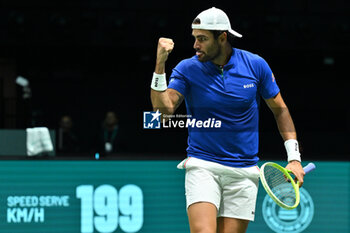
(222, 83)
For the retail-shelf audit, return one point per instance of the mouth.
(199, 53)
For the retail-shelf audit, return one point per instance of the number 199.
(111, 209)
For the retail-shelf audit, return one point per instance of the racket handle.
(310, 167)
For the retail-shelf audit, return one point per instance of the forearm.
(285, 124)
(286, 128)
(288, 133)
(161, 97)
(160, 67)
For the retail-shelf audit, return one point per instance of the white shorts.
(232, 190)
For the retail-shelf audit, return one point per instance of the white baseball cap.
(214, 19)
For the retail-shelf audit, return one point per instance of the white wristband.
(159, 82)
(292, 148)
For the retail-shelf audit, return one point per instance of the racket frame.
(285, 172)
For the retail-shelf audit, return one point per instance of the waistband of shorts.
(192, 162)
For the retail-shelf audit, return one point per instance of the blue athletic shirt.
(230, 94)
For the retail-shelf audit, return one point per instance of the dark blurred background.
(84, 58)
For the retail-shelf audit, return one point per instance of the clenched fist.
(165, 46)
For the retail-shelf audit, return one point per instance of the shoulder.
(253, 61)
(249, 56)
(188, 64)
(187, 67)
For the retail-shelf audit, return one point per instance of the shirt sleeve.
(268, 86)
(178, 81)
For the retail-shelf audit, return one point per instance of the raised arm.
(165, 99)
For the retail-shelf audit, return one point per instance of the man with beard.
(224, 83)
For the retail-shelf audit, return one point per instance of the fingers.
(300, 178)
(298, 171)
(166, 44)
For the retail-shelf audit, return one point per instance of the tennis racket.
(280, 185)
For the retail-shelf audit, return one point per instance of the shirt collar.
(231, 62)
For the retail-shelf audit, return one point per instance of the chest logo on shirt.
(250, 85)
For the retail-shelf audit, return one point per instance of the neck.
(225, 55)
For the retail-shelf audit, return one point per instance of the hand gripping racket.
(280, 185)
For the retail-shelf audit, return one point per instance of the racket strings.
(279, 185)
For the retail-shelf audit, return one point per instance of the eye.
(201, 39)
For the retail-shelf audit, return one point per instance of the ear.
(223, 37)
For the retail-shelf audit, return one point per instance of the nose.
(196, 45)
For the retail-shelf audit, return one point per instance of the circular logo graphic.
(289, 221)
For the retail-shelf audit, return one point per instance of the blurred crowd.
(106, 141)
